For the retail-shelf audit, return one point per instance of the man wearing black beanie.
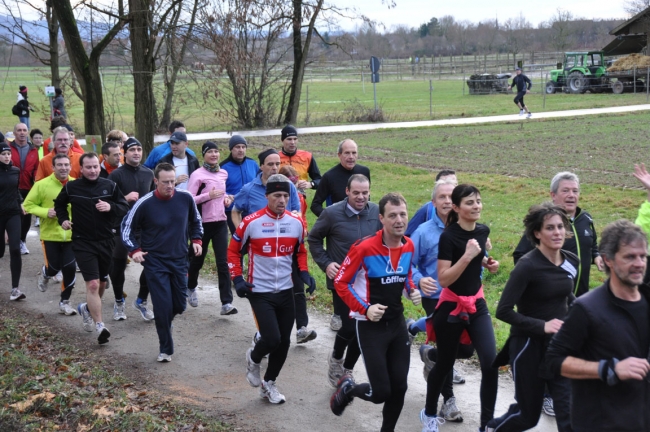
(241, 170)
(305, 165)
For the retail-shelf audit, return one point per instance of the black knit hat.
(278, 186)
(131, 142)
(209, 145)
(236, 139)
(22, 89)
(4, 146)
(266, 153)
(289, 131)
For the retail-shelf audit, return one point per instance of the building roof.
(637, 24)
(626, 44)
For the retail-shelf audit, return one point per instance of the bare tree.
(561, 29)
(633, 7)
(86, 65)
(46, 51)
(517, 31)
(244, 36)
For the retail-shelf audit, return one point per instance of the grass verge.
(46, 385)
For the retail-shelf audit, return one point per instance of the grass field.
(336, 102)
(512, 166)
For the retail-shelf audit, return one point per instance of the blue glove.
(309, 281)
(242, 287)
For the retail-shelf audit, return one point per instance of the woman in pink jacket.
(208, 185)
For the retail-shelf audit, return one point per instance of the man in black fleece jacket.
(96, 205)
(523, 84)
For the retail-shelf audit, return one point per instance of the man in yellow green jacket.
(57, 243)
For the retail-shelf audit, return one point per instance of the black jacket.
(133, 179)
(340, 227)
(88, 223)
(10, 198)
(597, 328)
(192, 162)
(586, 248)
(331, 188)
(522, 82)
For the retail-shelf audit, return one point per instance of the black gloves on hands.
(309, 281)
(242, 287)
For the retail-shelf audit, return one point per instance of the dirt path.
(208, 368)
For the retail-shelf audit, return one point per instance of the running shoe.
(342, 397)
(450, 412)
(103, 333)
(58, 278)
(16, 294)
(458, 378)
(66, 309)
(23, 248)
(336, 323)
(252, 370)
(118, 311)
(335, 370)
(491, 426)
(37, 222)
(42, 280)
(521, 112)
(428, 364)
(228, 309)
(305, 335)
(349, 373)
(409, 323)
(141, 306)
(529, 115)
(430, 424)
(88, 322)
(269, 391)
(164, 358)
(192, 298)
(547, 406)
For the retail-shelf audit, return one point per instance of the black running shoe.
(342, 397)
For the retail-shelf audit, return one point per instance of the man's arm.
(320, 196)
(237, 242)
(195, 222)
(314, 172)
(40, 171)
(529, 83)
(316, 241)
(523, 248)
(61, 205)
(344, 280)
(33, 203)
(119, 206)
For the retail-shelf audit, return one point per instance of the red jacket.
(28, 172)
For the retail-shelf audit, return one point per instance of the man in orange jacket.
(62, 144)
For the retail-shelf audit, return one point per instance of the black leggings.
(11, 224)
(60, 258)
(26, 219)
(387, 355)
(448, 339)
(526, 357)
(274, 313)
(217, 233)
(346, 337)
(520, 98)
(464, 351)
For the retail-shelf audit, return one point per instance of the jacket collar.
(350, 213)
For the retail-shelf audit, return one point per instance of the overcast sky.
(412, 13)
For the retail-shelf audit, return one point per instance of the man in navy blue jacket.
(167, 219)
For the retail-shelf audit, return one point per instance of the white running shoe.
(23, 248)
(164, 358)
(118, 311)
(103, 333)
(42, 280)
(192, 298)
(252, 370)
(457, 377)
(147, 314)
(88, 322)
(521, 113)
(66, 309)
(335, 370)
(270, 391)
(228, 309)
(336, 323)
(37, 222)
(58, 278)
(16, 294)
(529, 115)
(430, 424)
(305, 335)
(450, 412)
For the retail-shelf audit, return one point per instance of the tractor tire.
(550, 87)
(577, 83)
(618, 87)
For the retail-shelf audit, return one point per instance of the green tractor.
(582, 71)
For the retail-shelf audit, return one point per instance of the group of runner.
(115, 207)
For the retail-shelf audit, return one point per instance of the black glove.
(309, 281)
(242, 287)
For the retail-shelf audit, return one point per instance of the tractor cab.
(580, 71)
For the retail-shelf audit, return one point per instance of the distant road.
(414, 124)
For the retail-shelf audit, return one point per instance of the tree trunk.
(85, 67)
(142, 47)
(300, 53)
(53, 31)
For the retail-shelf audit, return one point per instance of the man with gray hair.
(565, 192)
(604, 341)
(332, 186)
(272, 236)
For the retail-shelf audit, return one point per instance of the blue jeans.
(24, 120)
